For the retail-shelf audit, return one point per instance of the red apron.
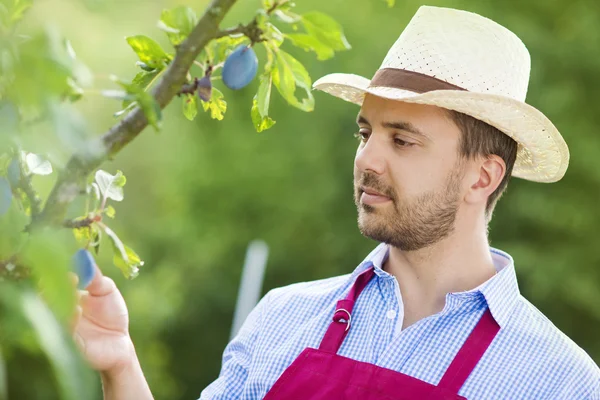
(321, 374)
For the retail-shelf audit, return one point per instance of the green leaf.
(217, 105)
(263, 95)
(190, 106)
(47, 254)
(310, 43)
(273, 35)
(150, 108)
(260, 105)
(142, 80)
(124, 257)
(177, 23)
(82, 235)
(287, 16)
(96, 236)
(144, 100)
(218, 50)
(111, 186)
(110, 211)
(93, 194)
(148, 51)
(288, 74)
(260, 123)
(59, 350)
(326, 30)
(390, 3)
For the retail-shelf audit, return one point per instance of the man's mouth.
(370, 196)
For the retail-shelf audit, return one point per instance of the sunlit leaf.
(148, 51)
(260, 105)
(289, 74)
(263, 95)
(217, 105)
(110, 185)
(260, 123)
(37, 165)
(82, 235)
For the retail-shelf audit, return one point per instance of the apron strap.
(470, 353)
(342, 317)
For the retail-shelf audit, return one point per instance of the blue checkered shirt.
(529, 358)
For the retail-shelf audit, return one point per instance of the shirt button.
(391, 314)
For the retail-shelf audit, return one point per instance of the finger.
(74, 278)
(100, 285)
(76, 318)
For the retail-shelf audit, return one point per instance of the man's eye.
(361, 135)
(402, 143)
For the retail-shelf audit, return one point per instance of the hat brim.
(542, 155)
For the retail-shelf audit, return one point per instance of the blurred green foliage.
(199, 192)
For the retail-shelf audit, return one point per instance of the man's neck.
(456, 264)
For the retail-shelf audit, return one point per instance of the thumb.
(100, 284)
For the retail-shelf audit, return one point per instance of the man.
(433, 312)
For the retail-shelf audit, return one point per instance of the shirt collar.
(501, 292)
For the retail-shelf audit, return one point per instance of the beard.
(409, 224)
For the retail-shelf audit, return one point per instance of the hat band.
(410, 80)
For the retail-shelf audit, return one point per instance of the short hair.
(481, 139)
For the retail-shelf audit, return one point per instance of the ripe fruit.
(84, 266)
(14, 172)
(240, 67)
(5, 196)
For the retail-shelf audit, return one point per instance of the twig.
(79, 223)
(72, 178)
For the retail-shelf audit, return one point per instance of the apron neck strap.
(470, 353)
(342, 316)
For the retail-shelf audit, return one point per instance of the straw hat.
(468, 63)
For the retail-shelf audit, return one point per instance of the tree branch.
(72, 178)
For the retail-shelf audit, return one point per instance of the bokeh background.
(198, 192)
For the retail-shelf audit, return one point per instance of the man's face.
(407, 174)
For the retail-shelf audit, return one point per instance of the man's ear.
(486, 178)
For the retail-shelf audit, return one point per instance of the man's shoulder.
(307, 291)
(542, 340)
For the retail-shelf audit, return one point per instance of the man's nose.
(370, 156)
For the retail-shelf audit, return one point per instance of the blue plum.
(240, 67)
(14, 172)
(84, 265)
(5, 196)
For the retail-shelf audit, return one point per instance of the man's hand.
(101, 331)
(101, 325)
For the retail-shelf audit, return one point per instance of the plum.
(84, 266)
(240, 67)
(5, 196)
